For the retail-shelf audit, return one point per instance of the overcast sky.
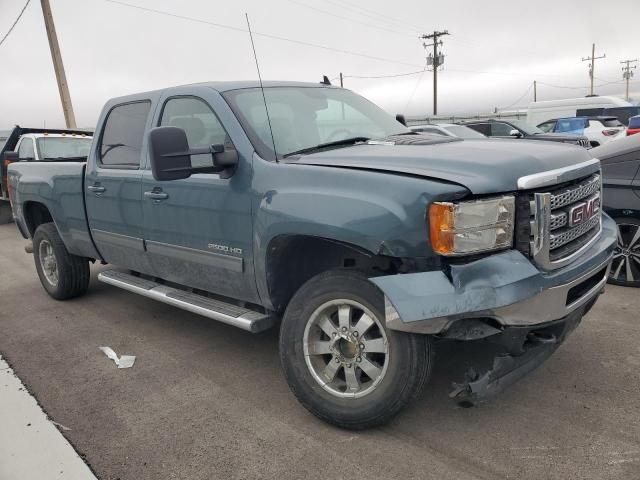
(495, 51)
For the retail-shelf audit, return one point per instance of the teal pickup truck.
(307, 208)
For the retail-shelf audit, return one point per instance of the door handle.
(96, 188)
(156, 194)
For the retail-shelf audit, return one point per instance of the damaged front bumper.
(505, 288)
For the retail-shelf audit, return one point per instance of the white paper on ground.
(125, 361)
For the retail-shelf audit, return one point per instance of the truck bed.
(59, 187)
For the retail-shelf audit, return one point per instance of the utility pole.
(435, 60)
(592, 65)
(535, 91)
(627, 72)
(61, 78)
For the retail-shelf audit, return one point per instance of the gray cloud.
(495, 51)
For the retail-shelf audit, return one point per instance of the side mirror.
(171, 156)
(515, 133)
(400, 118)
(169, 152)
(10, 157)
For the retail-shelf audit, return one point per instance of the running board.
(228, 313)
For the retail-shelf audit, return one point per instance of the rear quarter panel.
(59, 187)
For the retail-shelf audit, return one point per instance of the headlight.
(473, 226)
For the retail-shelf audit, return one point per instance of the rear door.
(198, 230)
(113, 185)
(501, 130)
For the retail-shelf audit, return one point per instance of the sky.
(495, 50)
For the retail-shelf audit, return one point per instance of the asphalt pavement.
(205, 400)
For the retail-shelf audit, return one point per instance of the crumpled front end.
(523, 311)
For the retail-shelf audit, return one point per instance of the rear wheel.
(625, 268)
(341, 361)
(62, 275)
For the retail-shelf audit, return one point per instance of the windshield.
(63, 147)
(527, 128)
(573, 125)
(305, 117)
(463, 132)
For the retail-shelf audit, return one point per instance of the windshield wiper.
(337, 143)
(46, 159)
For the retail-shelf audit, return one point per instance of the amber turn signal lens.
(441, 227)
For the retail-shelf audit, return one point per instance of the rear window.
(634, 122)
(612, 122)
(121, 142)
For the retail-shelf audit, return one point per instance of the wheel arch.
(35, 214)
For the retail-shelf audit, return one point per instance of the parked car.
(634, 125)
(621, 113)
(35, 144)
(621, 182)
(599, 130)
(362, 240)
(448, 130)
(515, 129)
(538, 112)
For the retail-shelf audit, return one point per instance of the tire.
(5, 212)
(402, 371)
(625, 268)
(62, 275)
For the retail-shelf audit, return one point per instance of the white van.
(538, 112)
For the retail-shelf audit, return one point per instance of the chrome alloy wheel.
(626, 257)
(346, 348)
(48, 262)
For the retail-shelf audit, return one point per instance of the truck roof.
(227, 86)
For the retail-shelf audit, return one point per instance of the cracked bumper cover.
(506, 287)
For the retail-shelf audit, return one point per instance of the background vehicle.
(621, 113)
(599, 130)
(31, 144)
(634, 125)
(520, 129)
(621, 182)
(448, 130)
(364, 240)
(538, 112)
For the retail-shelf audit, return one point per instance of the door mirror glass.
(169, 153)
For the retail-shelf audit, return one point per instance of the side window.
(200, 124)
(500, 129)
(547, 126)
(121, 142)
(26, 149)
(483, 128)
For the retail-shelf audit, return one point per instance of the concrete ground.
(206, 401)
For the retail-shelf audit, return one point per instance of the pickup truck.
(34, 145)
(307, 208)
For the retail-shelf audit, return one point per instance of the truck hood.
(482, 166)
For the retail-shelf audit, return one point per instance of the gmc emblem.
(584, 211)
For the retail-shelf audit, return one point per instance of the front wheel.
(341, 361)
(62, 275)
(625, 268)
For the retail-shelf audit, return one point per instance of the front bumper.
(505, 287)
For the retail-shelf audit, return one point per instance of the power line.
(325, 12)
(265, 35)
(518, 100)
(380, 17)
(385, 76)
(15, 23)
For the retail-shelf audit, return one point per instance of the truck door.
(198, 230)
(113, 185)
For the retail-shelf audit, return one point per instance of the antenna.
(264, 98)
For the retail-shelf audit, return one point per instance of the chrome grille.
(575, 193)
(568, 235)
(564, 221)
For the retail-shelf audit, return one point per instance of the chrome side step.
(240, 317)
